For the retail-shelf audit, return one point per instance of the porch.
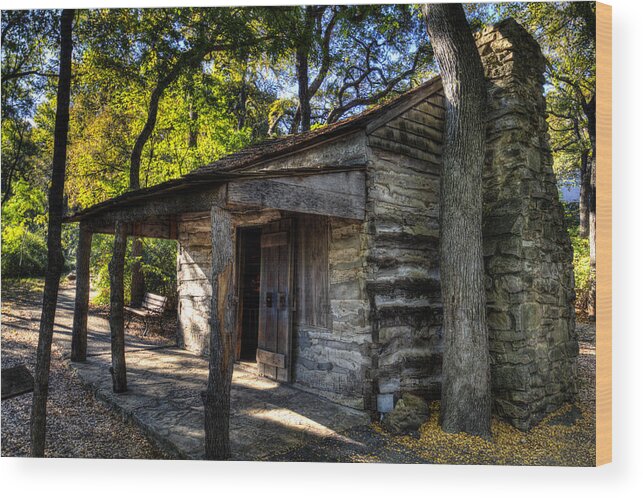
(207, 221)
(164, 397)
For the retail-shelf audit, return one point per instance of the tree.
(345, 58)
(156, 47)
(466, 397)
(54, 246)
(27, 73)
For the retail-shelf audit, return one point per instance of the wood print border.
(603, 234)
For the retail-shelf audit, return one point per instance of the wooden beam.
(162, 227)
(172, 204)
(216, 397)
(342, 195)
(116, 318)
(81, 305)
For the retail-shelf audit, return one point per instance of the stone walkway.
(165, 382)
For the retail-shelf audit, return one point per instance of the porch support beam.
(116, 317)
(341, 194)
(79, 328)
(216, 397)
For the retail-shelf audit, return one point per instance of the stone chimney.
(528, 254)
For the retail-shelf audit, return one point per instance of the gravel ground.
(565, 437)
(78, 426)
(82, 427)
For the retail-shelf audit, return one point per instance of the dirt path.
(79, 426)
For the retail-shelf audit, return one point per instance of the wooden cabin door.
(275, 301)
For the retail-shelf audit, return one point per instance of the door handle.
(268, 299)
(282, 300)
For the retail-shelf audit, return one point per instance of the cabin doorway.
(265, 284)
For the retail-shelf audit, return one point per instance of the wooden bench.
(152, 308)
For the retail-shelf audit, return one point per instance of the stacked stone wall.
(528, 255)
(194, 262)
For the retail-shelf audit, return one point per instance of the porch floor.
(165, 382)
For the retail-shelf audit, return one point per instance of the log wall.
(402, 277)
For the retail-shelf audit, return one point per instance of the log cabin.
(319, 252)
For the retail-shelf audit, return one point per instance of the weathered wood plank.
(172, 204)
(436, 86)
(390, 144)
(305, 195)
(432, 136)
(345, 182)
(274, 239)
(312, 271)
(346, 151)
(431, 121)
(401, 138)
(275, 297)
(432, 109)
(269, 358)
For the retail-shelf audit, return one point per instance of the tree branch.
(22, 74)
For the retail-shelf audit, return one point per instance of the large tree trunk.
(590, 111)
(304, 98)
(81, 305)
(55, 259)
(116, 316)
(584, 200)
(302, 119)
(466, 398)
(216, 397)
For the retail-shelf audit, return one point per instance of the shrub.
(159, 268)
(24, 253)
(582, 269)
(158, 265)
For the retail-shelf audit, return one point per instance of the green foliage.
(571, 213)
(566, 34)
(158, 265)
(102, 248)
(24, 249)
(24, 253)
(159, 268)
(582, 268)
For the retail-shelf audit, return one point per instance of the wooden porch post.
(216, 397)
(116, 320)
(79, 328)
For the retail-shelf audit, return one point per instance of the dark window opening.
(249, 280)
